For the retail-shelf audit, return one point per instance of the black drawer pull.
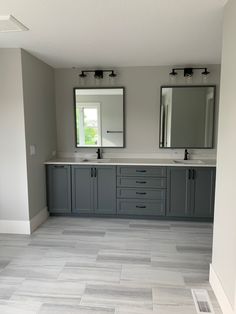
(141, 171)
(59, 166)
(137, 206)
(141, 182)
(141, 193)
(189, 174)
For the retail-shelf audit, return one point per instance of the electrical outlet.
(32, 150)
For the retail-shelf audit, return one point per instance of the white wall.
(142, 105)
(13, 178)
(40, 126)
(223, 272)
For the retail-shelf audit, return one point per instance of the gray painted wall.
(13, 178)
(142, 108)
(40, 125)
(224, 244)
(27, 116)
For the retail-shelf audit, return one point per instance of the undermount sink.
(94, 160)
(193, 161)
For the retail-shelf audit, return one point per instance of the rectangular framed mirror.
(187, 116)
(99, 117)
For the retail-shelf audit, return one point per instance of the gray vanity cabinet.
(204, 192)
(190, 192)
(141, 190)
(175, 192)
(94, 189)
(105, 190)
(178, 192)
(82, 189)
(59, 188)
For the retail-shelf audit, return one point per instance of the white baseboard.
(219, 293)
(15, 226)
(24, 226)
(38, 219)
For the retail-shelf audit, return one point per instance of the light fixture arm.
(97, 73)
(188, 72)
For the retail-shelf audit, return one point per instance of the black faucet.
(186, 153)
(99, 153)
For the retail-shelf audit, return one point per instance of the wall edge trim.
(15, 226)
(219, 292)
(24, 226)
(38, 219)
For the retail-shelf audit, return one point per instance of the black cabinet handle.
(59, 166)
(138, 206)
(95, 172)
(141, 193)
(114, 131)
(189, 174)
(91, 172)
(142, 171)
(193, 174)
(141, 182)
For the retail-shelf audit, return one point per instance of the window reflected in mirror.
(99, 117)
(88, 124)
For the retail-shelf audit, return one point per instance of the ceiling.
(94, 33)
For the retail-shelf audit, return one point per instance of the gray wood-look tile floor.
(102, 265)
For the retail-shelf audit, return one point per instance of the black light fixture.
(98, 74)
(173, 73)
(205, 72)
(112, 74)
(188, 72)
(82, 75)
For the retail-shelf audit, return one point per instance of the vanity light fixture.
(188, 72)
(205, 72)
(98, 74)
(173, 73)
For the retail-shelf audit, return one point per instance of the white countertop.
(133, 162)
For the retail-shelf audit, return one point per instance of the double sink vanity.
(167, 189)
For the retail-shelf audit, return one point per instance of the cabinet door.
(105, 190)
(82, 189)
(179, 192)
(204, 192)
(59, 188)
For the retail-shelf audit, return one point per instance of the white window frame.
(88, 105)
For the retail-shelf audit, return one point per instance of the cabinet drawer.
(141, 207)
(141, 182)
(141, 171)
(159, 194)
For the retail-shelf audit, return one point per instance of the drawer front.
(134, 182)
(141, 171)
(140, 207)
(141, 193)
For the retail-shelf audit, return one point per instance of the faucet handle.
(186, 153)
(99, 153)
